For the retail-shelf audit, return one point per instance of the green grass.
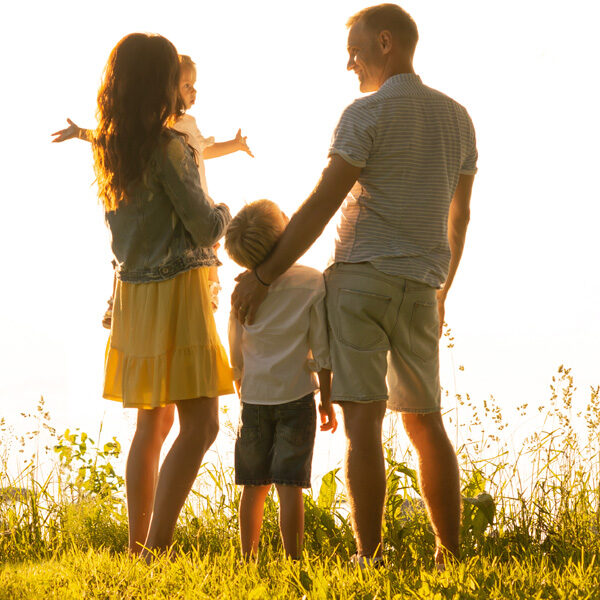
(530, 529)
(99, 574)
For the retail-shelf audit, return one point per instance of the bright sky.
(526, 296)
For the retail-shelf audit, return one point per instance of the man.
(407, 155)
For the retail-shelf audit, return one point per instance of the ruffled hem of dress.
(154, 381)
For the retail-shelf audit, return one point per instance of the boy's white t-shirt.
(187, 124)
(277, 356)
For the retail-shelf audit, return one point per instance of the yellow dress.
(164, 346)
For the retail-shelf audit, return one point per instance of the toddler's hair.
(186, 62)
(253, 233)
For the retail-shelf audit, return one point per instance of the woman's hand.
(73, 131)
(240, 140)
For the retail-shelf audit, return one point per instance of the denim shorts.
(383, 327)
(275, 443)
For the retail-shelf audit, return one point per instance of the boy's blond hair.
(253, 233)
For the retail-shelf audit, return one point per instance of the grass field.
(530, 528)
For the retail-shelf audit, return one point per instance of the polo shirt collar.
(401, 79)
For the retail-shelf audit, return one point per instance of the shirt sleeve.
(203, 142)
(318, 337)
(235, 347)
(470, 155)
(354, 135)
(180, 178)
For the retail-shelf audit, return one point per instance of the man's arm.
(458, 221)
(304, 228)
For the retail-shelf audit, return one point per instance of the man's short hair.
(253, 233)
(389, 17)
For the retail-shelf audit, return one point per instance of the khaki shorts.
(383, 325)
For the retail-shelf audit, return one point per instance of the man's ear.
(385, 41)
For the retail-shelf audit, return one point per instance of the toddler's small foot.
(107, 318)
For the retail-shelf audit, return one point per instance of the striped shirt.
(412, 142)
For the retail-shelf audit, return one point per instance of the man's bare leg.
(365, 472)
(439, 478)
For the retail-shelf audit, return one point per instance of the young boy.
(274, 361)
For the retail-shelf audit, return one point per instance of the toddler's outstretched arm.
(328, 418)
(223, 148)
(73, 131)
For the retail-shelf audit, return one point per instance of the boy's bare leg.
(198, 428)
(252, 505)
(365, 472)
(291, 519)
(439, 479)
(141, 471)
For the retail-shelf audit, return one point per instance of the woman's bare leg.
(198, 428)
(252, 505)
(141, 473)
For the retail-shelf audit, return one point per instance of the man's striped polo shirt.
(412, 142)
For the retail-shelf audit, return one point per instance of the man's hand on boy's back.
(247, 296)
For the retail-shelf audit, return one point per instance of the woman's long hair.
(137, 98)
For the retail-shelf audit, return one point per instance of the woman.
(163, 351)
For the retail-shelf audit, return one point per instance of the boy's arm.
(458, 221)
(222, 148)
(318, 339)
(326, 411)
(235, 352)
(73, 131)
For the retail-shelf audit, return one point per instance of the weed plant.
(530, 526)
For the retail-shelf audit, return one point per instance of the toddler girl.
(204, 148)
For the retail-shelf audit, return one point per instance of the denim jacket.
(167, 224)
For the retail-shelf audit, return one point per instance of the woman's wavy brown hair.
(137, 99)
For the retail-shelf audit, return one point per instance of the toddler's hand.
(328, 418)
(242, 144)
(70, 132)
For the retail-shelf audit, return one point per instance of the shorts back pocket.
(359, 319)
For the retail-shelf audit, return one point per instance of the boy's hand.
(328, 418)
(237, 383)
(240, 140)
